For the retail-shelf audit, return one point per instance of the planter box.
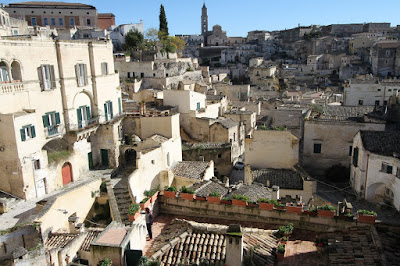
(326, 213)
(294, 209)
(364, 218)
(252, 205)
(280, 256)
(154, 197)
(227, 202)
(311, 213)
(214, 199)
(280, 208)
(201, 198)
(169, 194)
(239, 203)
(145, 205)
(266, 206)
(133, 217)
(188, 196)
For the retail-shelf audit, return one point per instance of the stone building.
(217, 37)
(60, 112)
(105, 20)
(375, 166)
(119, 32)
(384, 58)
(54, 14)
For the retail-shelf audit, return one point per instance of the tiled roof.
(241, 112)
(253, 191)
(207, 145)
(92, 234)
(191, 169)
(33, 3)
(158, 138)
(226, 123)
(105, 15)
(383, 143)
(59, 240)
(345, 112)
(205, 188)
(214, 97)
(284, 178)
(207, 241)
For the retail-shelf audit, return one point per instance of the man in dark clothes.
(149, 222)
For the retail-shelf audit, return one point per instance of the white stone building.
(59, 113)
(375, 166)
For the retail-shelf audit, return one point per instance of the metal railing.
(84, 124)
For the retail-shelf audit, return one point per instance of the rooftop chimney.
(234, 245)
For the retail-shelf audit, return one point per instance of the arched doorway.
(130, 157)
(16, 71)
(66, 173)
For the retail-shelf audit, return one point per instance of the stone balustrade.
(6, 88)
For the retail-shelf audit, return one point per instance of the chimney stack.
(234, 245)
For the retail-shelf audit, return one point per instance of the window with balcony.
(46, 77)
(386, 168)
(27, 132)
(16, 71)
(84, 116)
(81, 74)
(51, 121)
(104, 68)
(108, 110)
(4, 72)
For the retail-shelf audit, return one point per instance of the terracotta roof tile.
(191, 169)
(284, 178)
(93, 233)
(59, 240)
(383, 143)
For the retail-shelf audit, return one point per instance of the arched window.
(4, 72)
(16, 71)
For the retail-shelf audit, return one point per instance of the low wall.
(179, 206)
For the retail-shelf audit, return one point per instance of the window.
(81, 74)
(60, 22)
(3, 72)
(36, 164)
(33, 21)
(385, 103)
(45, 21)
(355, 156)
(53, 21)
(119, 106)
(83, 114)
(15, 32)
(88, 22)
(168, 159)
(46, 77)
(350, 150)
(129, 75)
(72, 22)
(360, 102)
(51, 121)
(386, 168)
(108, 110)
(377, 102)
(379, 89)
(234, 136)
(27, 132)
(219, 155)
(317, 147)
(389, 89)
(198, 107)
(104, 68)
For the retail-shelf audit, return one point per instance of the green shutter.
(105, 111)
(46, 120)
(22, 131)
(33, 131)
(58, 118)
(111, 110)
(119, 106)
(88, 113)
(79, 112)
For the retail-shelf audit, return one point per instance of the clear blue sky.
(238, 17)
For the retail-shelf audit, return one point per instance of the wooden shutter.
(22, 131)
(58, 118)
(105, 111)
(33, 131)
(79, 113)
(85, 73)
(88, 113)
(111, 110)
(46, 120)
(77, 75)
(52, 77)
(119, 106)
(40, 76)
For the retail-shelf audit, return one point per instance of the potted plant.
(326, 211)
(311, 211)
(294, 208)
(145, 203)
(214, 197)
(365, 216)
(170, 192)
(266, 204)
(133, 212)
(280, 254)
(252, 204)
(187, 193)
(280, 207)
(226, 201)
(152, 194)
(283, 240)
(239, 200)
(286, 230)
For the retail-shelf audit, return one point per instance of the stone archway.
(375, 192)
(130, 157)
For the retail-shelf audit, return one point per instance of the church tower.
(204, 20)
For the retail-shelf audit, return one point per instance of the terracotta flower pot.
(154, 197)
(169, 194)
(311, 213)
(365, 218)
(326, 213)
(214, 199)
(294, 209)
(188, 196)
(252, 205)
(145, 205)
(280, 208)
(227, 202)
(239, 203)
(133, 217)
(266, 206)
(201, 198)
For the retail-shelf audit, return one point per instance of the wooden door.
(90, 160)
(104, 157)
(66, 173)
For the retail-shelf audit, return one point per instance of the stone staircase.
(123, 199)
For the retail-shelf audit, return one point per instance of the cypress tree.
(163, 21)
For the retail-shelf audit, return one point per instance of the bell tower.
(204, 20)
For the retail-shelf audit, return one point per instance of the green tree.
(163, 21)
(133, 40)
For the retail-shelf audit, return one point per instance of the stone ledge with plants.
(133, 212)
